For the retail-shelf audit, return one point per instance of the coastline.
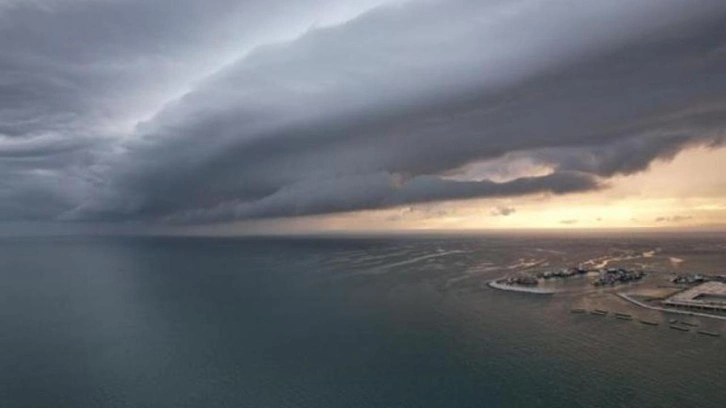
(538, 291)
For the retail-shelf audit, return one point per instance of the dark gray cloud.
(155, 111)
(380, 191)
(76, 77)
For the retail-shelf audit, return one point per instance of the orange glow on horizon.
(687, 192)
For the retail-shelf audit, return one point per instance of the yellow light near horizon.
(689, 191)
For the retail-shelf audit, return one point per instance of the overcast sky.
(191, 112)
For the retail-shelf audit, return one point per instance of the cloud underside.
(675, 218)
(391, 107)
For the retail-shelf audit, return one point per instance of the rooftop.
(709, 295)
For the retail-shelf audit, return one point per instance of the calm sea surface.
(330, 322)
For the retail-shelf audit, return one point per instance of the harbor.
(683, 303)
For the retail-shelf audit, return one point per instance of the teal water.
(324, 322)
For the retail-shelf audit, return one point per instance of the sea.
(335, 321)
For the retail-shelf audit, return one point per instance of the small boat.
(709, 333)
(578, 311)
(649, 323)
(679, 328)
(598, 312)
(689, 324)
(622, 316)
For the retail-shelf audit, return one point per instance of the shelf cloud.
(194, 112)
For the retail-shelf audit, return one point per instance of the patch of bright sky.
(688, 191)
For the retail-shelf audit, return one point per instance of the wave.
(502, 286)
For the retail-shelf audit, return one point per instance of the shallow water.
(330, 322)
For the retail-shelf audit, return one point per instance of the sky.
(232, 117)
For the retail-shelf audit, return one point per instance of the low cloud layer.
(191, 111)
(674, 219)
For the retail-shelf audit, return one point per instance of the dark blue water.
(396, 322)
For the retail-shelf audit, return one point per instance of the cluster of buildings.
(606, 277)
(521, 280)
(563, 273)
(618, 275)
(695, 279)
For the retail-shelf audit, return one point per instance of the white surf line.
(473, 273)
(385, 268)
(526, 264)
(662, 309)
(496, 285)
(675, 261)
(605, 260)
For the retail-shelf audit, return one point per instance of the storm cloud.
(190, 111)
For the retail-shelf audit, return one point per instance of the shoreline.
(537, 291)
